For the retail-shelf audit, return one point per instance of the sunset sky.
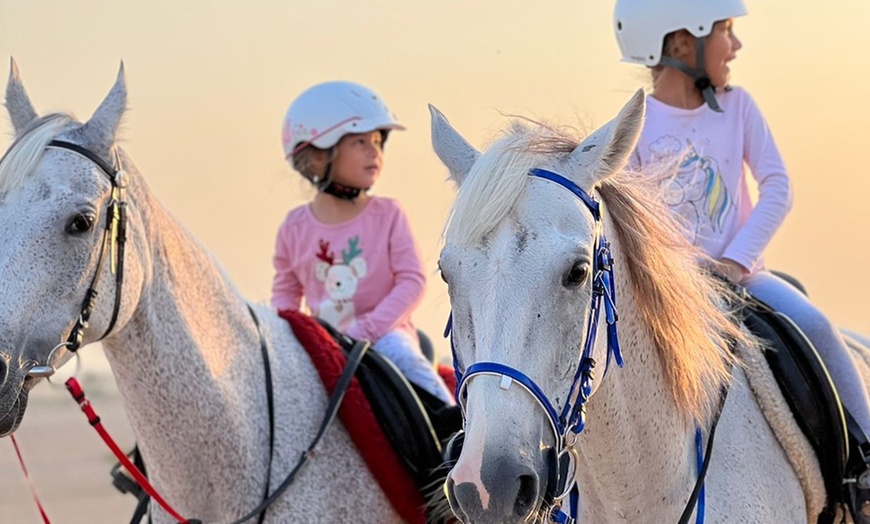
(209, 82)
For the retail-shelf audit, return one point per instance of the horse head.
(63, 214)
(523, 259)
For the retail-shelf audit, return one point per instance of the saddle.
(810, 393)
(416, 423)
(398, 428)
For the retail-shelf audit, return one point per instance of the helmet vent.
(619, 25)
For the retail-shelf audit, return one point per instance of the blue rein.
(571, 421)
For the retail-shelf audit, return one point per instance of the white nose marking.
(469, 468)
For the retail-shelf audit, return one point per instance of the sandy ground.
(67, 460)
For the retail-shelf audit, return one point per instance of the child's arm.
(287, 290)
(774, 190)
(409, 285)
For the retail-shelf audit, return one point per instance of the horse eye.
(577, 274)
(80, 224)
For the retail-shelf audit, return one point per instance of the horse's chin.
(11, 418)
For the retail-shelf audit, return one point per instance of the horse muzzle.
(15, 384)
(508, 491)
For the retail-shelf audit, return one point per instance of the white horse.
(184, 348)
(520, 260)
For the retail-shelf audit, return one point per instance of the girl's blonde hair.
(303, 162)
(669, 48)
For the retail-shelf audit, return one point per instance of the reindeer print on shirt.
(340, 281)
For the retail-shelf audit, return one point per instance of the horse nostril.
(464, 500)
(450, 490)
(527, 495)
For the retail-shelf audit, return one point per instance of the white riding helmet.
(641, 25)
(324, 113)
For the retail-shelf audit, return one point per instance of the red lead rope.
(78, 395)
(29, 482)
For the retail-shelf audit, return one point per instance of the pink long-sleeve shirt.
(364, 276)
(707, 154)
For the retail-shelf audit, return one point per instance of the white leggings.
(404, 351)
(783, 297)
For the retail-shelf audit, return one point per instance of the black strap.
(353, 360)
(87, 153)
(267, 368)
(121, 241)
(702, 474)
(141, 510)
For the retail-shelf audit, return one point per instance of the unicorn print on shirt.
(696, 191)
(340, 281)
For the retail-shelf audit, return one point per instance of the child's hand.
(731, 269)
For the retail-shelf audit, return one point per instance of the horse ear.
(453, 150)
(21, 111)
(100, 131)
(607, 150)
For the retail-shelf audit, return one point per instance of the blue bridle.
(572, 419)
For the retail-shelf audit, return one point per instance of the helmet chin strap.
(328, 186)
(697, 74)
(341, 191)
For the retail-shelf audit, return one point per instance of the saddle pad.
(358, 417)
(778, 414)
(807, 389)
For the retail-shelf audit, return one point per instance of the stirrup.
(124, 483)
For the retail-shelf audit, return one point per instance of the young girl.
(708, 133)
(349, 254)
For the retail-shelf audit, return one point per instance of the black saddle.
(809, 392)
(416, 423)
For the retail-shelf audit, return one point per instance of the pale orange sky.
(209, 82)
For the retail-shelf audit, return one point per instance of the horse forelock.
(23, 155)
(498, 180)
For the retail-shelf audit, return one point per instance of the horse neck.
(636, 449)
(189, 368)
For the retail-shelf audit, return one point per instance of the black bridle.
(113, 241)
(112, 247)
